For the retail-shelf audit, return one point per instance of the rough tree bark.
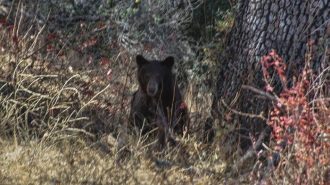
(261, 25)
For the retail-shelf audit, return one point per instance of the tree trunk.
(260, 26)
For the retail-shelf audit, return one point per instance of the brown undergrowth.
(64, 110)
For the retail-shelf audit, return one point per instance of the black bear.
(158, 103)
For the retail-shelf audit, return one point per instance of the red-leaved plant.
(296, 124)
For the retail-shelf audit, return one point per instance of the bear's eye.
(145, 78)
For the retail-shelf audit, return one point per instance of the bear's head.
(154, 76)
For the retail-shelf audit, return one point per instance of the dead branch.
(260, 116)
(261, 92)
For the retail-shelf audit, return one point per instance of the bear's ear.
(140, 60)
(169, 61)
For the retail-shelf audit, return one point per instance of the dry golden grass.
(73, 163)
(58, 127)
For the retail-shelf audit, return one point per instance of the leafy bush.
(300, 121)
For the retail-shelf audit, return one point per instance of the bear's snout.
(152, 88)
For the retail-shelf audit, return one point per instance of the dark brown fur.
(158, 103)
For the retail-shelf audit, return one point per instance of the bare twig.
(242, 113)
(263, 93)
(78, 18)
(77, 130)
